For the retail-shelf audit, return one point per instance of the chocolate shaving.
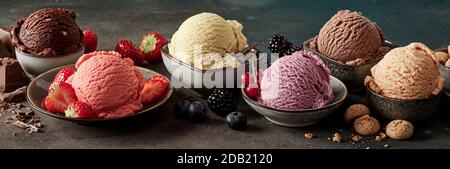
(21, 117)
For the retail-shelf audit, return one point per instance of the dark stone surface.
(402, 22)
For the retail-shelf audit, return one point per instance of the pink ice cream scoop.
(110, 84)
(299, 81)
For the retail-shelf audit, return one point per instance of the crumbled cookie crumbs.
(356, 138)
(337, 137)
(309, 135)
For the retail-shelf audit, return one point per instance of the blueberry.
(237, 120)
(182, 109)
(197, 111)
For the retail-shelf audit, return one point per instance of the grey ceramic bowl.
(352, 76)
(445, 74)
(414, 110)
(194, 78)
(300, 118)
(37, 91)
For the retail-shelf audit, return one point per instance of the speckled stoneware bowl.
(37, 91)
(352, 76)
(414, 110)
(300, 118)
(445, 73)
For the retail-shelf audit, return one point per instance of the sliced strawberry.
(80, 110)
(59, 98)
(151, 45)
(154, 89)
(61, 77)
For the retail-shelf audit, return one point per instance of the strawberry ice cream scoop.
(299, 81)
(111, 85)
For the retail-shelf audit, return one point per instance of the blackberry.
(279, 44)
(292, 50)
(223, 101)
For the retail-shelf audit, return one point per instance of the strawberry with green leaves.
(80, 110)
(151, 45)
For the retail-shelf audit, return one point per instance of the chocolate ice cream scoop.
(350, 38)
(48, 32)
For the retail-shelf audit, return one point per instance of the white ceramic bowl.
(36, 65)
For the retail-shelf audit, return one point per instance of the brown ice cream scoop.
(351, 38)
(366, 125)
(399, 129)
(48, 32)
(355, 111)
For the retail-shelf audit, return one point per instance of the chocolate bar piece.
(12, 78)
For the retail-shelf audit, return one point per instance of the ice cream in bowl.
(46, 39)
(297, 90)
(405, 84)
(350, 44)
(205, 45)
(101, 86)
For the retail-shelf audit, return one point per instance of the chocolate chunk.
(13, 80)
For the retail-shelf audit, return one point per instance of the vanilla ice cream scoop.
(216, 37)
(410, 72)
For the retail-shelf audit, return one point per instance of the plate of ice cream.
(296, 90)
(101, 86)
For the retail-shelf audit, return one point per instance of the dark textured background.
(402, 21)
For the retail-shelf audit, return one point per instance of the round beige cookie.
(399, 129)
(366, 125)
(355, 111)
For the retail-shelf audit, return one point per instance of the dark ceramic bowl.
(304, 117)
(414, 110)
(37, 91)
(445, 74)
(352, 76)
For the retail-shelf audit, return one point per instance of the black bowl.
(413, 110)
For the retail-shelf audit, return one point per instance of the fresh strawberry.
(59, 98)
(90, 41)
(151, 45)
(61, 77)
(80, 110)
(154, 89)
(127, 49)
